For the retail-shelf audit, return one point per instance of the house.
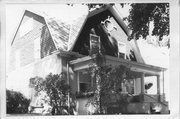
(45, 44)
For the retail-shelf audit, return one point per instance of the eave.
(85, 62)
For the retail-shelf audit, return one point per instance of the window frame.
(120, 51)
(91, 44)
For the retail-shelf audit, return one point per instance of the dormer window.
(95, 46)
(121, 50)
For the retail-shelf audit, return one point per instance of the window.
(94, 44)
(128, 86)
(84, 82)
(26, 27)
(121, 50)
(84, 87)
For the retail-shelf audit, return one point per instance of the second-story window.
(121, 50)
(95, 45)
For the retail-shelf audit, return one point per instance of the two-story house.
(44, 45)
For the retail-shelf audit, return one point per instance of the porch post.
(78, 87)
(142, 83)
(163, 87)
(158, 86)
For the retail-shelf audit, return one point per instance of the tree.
(58, 91)
(141, 14)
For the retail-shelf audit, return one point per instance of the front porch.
(139, 101)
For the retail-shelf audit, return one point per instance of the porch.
(139, 101)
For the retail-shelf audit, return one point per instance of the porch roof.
(84, 63)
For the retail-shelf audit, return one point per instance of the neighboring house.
(44, 45)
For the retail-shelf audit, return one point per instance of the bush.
(16, 102)
(58, 92)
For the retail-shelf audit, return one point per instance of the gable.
(29, 45)
(109, 40)
(28, 23)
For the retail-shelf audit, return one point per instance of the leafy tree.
(58, 91)
(141, 14)
(16, 102)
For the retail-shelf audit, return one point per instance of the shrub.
(58, 92)
(16, 102)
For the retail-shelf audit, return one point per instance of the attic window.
(94, 44)
(121, 50)
(26, 27)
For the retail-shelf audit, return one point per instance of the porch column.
(158, 86)
(78, 87)
(142, 83)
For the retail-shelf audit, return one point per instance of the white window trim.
(78, 82)
(98, 41)
(124, 52)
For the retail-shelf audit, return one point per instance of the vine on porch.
(108, 89)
